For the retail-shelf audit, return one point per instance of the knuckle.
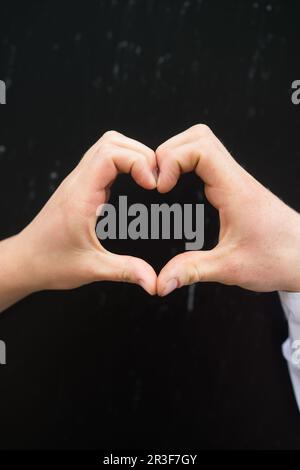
(108, 135)
(162, 153)
(201, 129)
(125, 275)
(193, 274)
(105, 150)
(205, 146)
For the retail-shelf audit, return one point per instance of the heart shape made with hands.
(196, 149)
(62, 244)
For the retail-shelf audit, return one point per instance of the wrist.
(20, 264)
(17, 278)
(291, 256)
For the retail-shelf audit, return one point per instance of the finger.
(114, 138)
(132, 144)
(101, 170)
(188, 268)
(123, 268)
(185, 136)
(150, 155)
(203, 152)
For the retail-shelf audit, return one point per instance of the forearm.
(17, 279)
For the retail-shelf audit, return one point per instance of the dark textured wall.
(106, 365)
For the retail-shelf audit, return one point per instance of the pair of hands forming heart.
(60, 248)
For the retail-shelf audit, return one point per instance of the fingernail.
(171, 285)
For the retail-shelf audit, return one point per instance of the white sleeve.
(291, 347)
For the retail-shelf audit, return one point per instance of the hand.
(59, 249)
(259, 239)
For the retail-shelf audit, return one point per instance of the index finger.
(199, 150)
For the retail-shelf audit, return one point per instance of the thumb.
(188, 268)
(123, 268)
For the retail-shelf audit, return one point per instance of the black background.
(106, 366)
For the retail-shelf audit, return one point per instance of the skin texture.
(59, 249)
(259, 240)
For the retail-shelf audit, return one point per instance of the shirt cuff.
(291, 347)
